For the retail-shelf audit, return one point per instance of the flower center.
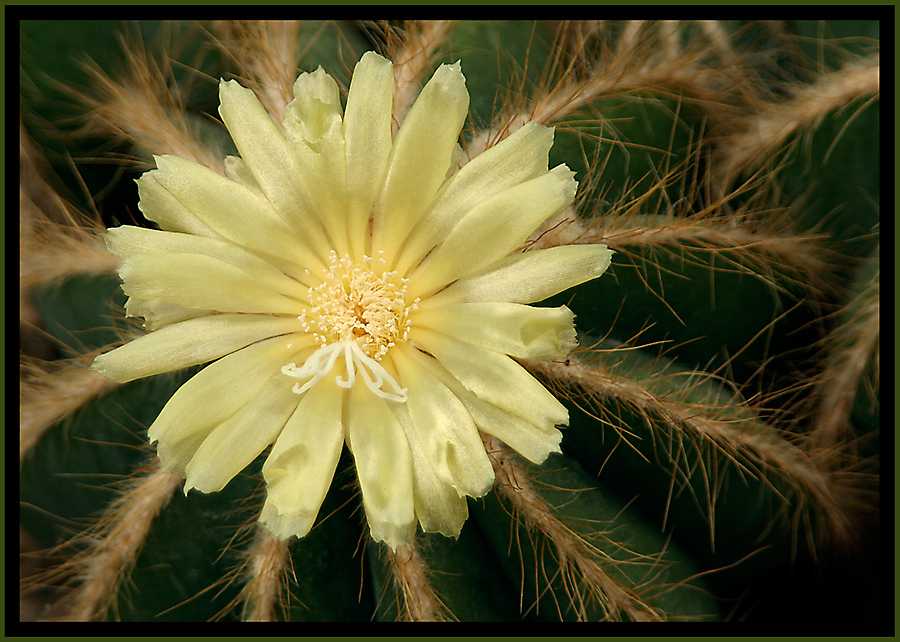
(360, 302)
(359, 311)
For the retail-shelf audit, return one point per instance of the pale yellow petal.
(175, 454)
(445, 429)
(270, 159)
(202, 282)
(494, 377)
(384, 467)
(367, 134)
(234, 211)
(493, 229)
(511, 328)
(236, 169)
(315, 111)
(531, 441)
(237, 441)
(128, 241)
(528, 277)
(189, 343)
(312, 122)
(518, 158)
(300, 468)
(420, 157)
(222, 388)
(439, 506)
(282, 526)
(159, 206)
(160, 313)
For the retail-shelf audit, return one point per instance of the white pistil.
(359, 313)
(321, 362)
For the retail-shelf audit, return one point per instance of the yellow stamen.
(360, 313)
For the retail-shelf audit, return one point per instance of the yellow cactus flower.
(352, 287)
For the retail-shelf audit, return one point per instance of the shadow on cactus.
(449, 321)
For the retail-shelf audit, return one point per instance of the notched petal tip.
(450, 81)
(97, 367)
(604, 258)
(316, 107)
(109, 240)
(285, 526)
(373, 58)
(452, 67)
(228, 87)
(568, 184)
(392, 534)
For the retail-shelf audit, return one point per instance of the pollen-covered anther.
(359, 311)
